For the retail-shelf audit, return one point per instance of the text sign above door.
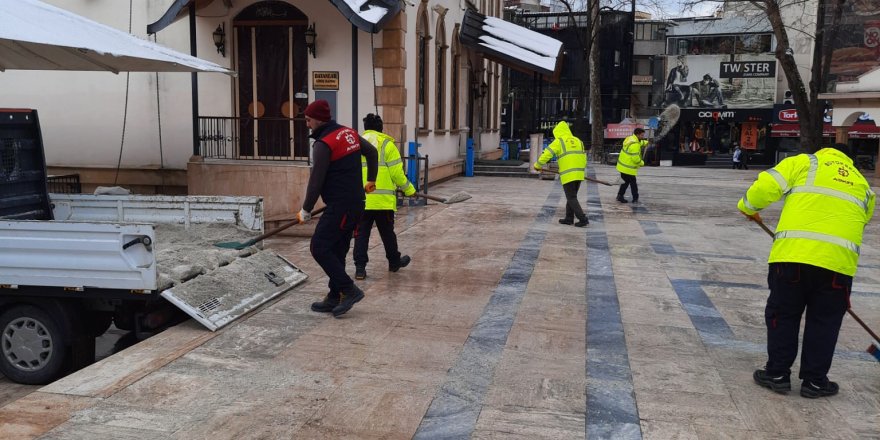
(325, 80)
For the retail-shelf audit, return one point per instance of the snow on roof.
(510, 44)
(373, 13)
(36, 35)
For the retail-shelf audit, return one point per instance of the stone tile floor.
(646, 324)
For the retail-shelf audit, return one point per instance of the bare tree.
(805, 93)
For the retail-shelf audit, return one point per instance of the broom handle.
(848, 310)
(585, 177)
(864, 326)
(283, 227)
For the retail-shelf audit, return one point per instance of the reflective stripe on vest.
(811, 175)
(779, 179)
(382, 152)
(625, 150)
(383, 191)
(748, 205)
(572, 170)
(627, 166)
(842, 242)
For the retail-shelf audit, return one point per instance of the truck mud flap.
(228, 292)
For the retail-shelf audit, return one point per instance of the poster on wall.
(855, 43)
(716, 81)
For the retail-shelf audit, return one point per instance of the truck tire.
(32, 346)
(97, 323)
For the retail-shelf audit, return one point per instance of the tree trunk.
(597, 134)
(809, 113)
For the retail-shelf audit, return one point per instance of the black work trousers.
(825, 296)
(384, 220)
(331, 241)
(628, 181)
(572, 206)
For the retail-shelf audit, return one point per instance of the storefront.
(703, 132)
(864, 135)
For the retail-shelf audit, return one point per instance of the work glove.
(537, 166)
(753, 217)
(303, 216)
(370, 187)
(410, 191)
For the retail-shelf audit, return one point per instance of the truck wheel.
(32, 347)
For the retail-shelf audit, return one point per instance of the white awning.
(38, 36)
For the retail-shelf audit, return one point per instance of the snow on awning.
(368, 15)
(176, 11)
(512, 45)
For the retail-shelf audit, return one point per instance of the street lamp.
(311, 36)
(220, 39)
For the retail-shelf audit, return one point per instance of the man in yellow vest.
(382, 203)
(628, 163)
(572, 159)
(812, 262)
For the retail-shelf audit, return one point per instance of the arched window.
(422, 54)
(440, 63)
(454, 81)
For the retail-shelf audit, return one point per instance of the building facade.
(246, 134)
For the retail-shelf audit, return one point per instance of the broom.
(874, 348)
(585, 177)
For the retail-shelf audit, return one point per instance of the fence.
(234, 138)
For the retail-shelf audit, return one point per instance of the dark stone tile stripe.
(454, 411)
(611, 404)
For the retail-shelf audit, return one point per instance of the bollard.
(469, 159)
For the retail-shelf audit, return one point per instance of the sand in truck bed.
(183, 254)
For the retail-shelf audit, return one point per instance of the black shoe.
(566, 221)
(812, 389)
(347, 301)
(404, 261)
(326, 306)
(780, 384)
(636, 200)
(622, 200)
(360, 272)
(582, 223)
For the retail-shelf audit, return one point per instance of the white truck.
(72, 264)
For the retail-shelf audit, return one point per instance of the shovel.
(874, 349)
(585, 177)
(253, 241)
(455, 198)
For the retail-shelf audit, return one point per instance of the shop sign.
(788, 115)
(726, 115)
(748, 69)
(325, 80)
(620, 131)
(748, 138)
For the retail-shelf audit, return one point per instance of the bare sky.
(657, 8)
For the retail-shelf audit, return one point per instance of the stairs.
(522, 170)
(719, 161)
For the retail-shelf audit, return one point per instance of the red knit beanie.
(319, 110)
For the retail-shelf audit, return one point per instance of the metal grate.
(209, 305)
(64, 184)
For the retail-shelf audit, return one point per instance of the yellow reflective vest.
(390, 176)
(827, 205)
(630, 159)
(569, 153)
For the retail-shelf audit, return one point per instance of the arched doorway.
(272, 85)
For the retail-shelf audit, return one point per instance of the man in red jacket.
(336, 177)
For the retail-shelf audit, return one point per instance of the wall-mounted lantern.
(311, 37)
(220, 39)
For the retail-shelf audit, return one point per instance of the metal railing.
(237, 138)
(64, 184)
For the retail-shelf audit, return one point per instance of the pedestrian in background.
(382, 203)
(737, 158)
(812, 262)
(628, 163)
(337, 177)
